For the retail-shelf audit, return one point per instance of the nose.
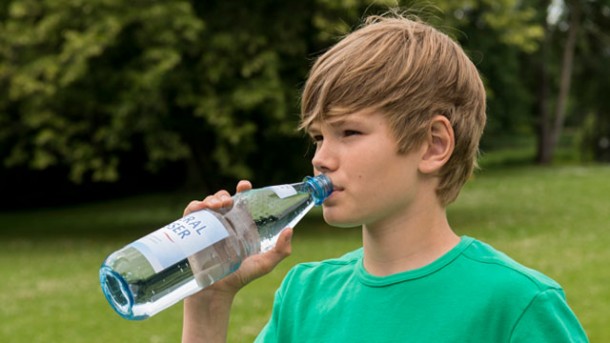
(325, 158)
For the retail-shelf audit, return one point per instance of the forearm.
(206, 317)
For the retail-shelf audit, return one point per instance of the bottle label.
(181, 239)
(283, 191)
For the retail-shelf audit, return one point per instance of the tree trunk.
(552, 127)
(544, 114)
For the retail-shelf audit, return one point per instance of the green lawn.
(553, 219)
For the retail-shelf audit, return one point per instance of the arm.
(206, 314)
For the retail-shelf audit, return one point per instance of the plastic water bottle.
(189, 254)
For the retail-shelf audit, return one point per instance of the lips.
(336, 190)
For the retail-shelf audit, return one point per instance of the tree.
(98, 87)
(575, 51)
(82, 79)
(551, 123)
(93, 86)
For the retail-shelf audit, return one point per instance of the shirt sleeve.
(548, 318)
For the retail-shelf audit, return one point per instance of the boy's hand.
(254, 266)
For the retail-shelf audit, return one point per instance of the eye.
(316, 139)
(348, 133)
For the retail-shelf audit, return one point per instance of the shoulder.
(536, 302)
(494, 260)
(498, 267)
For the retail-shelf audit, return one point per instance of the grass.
(552, 219)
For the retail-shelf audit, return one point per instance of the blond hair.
(410, 72)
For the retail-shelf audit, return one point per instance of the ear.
(438, 147)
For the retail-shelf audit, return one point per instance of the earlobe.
(439, 145)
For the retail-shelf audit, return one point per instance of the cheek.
(370, 168)
(364, 163)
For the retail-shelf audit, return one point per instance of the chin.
(344, 225)
(339, 221)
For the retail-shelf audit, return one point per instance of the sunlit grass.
(553, 219)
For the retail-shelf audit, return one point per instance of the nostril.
(321, 169)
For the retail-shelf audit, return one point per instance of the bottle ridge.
(191, 253)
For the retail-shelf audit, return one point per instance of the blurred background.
(114, 114)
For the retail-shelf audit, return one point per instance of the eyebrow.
(338, 122)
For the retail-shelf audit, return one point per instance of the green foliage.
(591, 105)
(84, 78)
(90, 86)
(498, 36)
(511, 22)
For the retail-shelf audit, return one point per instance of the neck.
(410, 241)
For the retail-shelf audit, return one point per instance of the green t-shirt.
(471, 294)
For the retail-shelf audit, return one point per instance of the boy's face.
(373, 183)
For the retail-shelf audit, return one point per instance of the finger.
(224, 198)
(282, 249)
(220, 199)
(243, 185)
(193, 206)
(283, 246)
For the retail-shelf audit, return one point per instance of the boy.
(396, 111)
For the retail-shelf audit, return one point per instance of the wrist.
(209, 298)
(206, 316)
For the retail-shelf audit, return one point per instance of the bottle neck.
(320, 186)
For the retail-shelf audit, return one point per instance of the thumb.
(283, 246)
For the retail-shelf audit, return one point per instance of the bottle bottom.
(137, 306)
(116, 290)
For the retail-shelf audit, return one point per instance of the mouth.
(336, 190)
